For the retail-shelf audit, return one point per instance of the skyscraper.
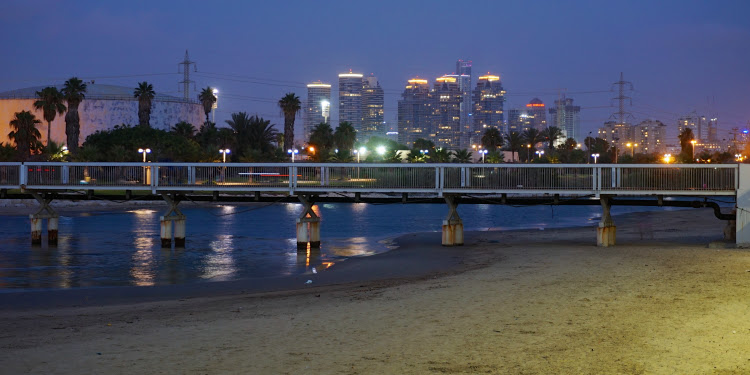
(488, 98)
(447, 98)
(699, 125)
(372, 109)
(318, 106)
(414, 112)
(650, 135)
(566, 116)
(537, 114)
(350, 100)
(463, 78)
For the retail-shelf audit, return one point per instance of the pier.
(451, 184)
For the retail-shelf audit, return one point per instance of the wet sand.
(515, 302)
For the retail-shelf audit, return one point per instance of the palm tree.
(240, 124)
(686, 135)
(441, 155)
(207, 99)
(552, 134)
(290, 106)
(74, 92)
(51, 103)
(462, 156)
(25, 134)
(514, 141)
(145, 94)
(492, 139)
(345, 136)
(321, 138)
(261, 135)
(532, 136)
(184, 129)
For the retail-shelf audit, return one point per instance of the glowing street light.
(144, 151)
(539, 153)
(325, 109)
(738, 157)
(632, 147)
(312, 150)
(483, 152)
(692, 149)
(215, 105)
(595, 156)
(380, 150)
(359, 152)
(667, 158)
(292, 152)
(224, 152)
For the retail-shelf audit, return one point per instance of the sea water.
(228, 242)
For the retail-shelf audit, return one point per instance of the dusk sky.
(680, 55)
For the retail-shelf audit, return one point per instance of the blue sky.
(680, 55)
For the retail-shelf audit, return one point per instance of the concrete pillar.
(302, 236)
(315, 234)
(606, 232)
(52, 224)
(36, 230)
(166, 232)
(179, 233)
(453, 226)
(742, 223)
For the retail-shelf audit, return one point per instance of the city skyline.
(680, 58)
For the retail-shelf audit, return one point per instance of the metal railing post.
(154, 178)
(23, 175)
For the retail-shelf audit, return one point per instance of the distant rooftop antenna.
(186, 75)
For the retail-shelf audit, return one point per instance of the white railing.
(686, 179)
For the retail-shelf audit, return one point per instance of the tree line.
(252, 138)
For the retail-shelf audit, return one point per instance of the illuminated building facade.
(488, 99)
(697, 123)
(617, 135)
(350, 100)
(414, 112)
(649, 135)
(463, 78)
(447, 98)
(372, 109)
(318, 107)
(566, 116)
(537, 114)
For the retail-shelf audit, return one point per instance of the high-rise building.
(447, 98)
(463, 77)
(414, 112)
(616, 134)
(372, 109)
(350, 100)
(537, 114)
(566, 116)
(649, 135)
(488, 99)
(697, 123)
(318, 106)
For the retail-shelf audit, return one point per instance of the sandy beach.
(515, 302)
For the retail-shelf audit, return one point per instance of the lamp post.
(215, 105)
(424, 152)
(292, 152)
(667, 158)
(224, 152)
(595, 156)
(528, 152)
(361, 150)
(539, 153)
(738, 157)
(325, 108)
(483, 152)
(144, 151)
(692, 149)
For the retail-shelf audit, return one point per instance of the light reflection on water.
(228, 242)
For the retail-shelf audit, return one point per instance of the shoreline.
(418, 255)
(526, 301)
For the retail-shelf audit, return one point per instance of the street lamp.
(215, 105)
(595, 156)
(224, 152)
(667, 157)
(539, 153)
(483, 152)
(424, 152)
(292, 152)
(692, 149)
(144, 151)
(361, 150)
(325, 107)
(380, 150)
(528, 152)
(632, 147)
